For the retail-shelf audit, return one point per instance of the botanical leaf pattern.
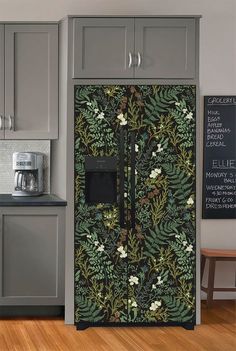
(146, 274)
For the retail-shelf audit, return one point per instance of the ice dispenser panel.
(100, 179)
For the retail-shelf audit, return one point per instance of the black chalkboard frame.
(218, 213)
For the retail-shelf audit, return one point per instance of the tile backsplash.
(6, 150)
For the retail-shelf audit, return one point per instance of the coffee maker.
(28, 178)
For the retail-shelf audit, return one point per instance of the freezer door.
(100, 205)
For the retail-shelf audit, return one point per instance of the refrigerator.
(134, 198)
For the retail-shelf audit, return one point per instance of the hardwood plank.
(216, 333)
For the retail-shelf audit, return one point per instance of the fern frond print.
(146, 274)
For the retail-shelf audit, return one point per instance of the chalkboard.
(219, 178)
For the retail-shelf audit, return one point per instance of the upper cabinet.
(2, 81)
(30, 89)
(165, 48)
(103, 47)
(159, 48)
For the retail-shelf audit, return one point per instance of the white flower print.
(123, 254)
(154, 154)
(129, 301)
(136, 148)
(189, 248)
(184, 243)
(190, 201)
(125, 194)
(189, 116)
(133, 280)
(89, 104)
(96, 110)
(100, 248)
(154, 286)
(159, 148)
(154, 305)
(122, 119)
(136, 172)
(177, 103)
(134, 304)
(89, 236)
(120, 116)
(185, 110)
(177, 236)
(159, 281)
(155, 173)
(96, 243)
(101, 115)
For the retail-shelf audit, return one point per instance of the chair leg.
(211, 278)
(203, 262)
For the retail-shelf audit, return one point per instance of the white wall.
(217, 66)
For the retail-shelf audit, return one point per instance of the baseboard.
(31, 311)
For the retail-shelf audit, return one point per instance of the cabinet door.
(1, 81)
(31, 81)
(166, 48)
(103, 47)
(32, 256)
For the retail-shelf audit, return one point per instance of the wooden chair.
(214, 255)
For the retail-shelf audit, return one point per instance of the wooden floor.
(217, 332)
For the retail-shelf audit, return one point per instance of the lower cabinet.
(32, 256)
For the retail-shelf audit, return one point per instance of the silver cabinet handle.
(11, 123)
(130, 60)
(139, 59)
(1, 122)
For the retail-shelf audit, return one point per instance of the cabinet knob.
(11, 123)
(1, 123)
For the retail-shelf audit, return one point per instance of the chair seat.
(218, 253)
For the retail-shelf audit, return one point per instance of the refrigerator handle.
(132, 179)
(122, 179)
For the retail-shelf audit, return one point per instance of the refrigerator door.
(100, 204)
(161, 245)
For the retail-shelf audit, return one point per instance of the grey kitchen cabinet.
(30, 86)
(1, 81)
(160, 48)
(103, 47)
(32, 256)
(165, 48)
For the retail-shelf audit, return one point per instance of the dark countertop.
(42, 200)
